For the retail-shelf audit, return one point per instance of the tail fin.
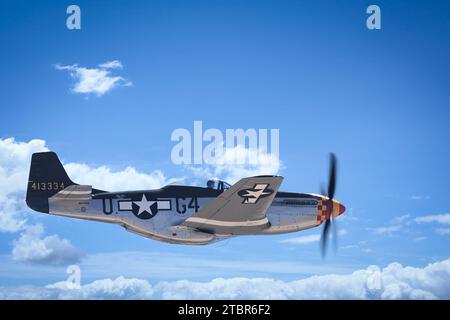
(47, 177)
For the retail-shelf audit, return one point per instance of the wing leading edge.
(239, 210)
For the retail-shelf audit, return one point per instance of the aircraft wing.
(240, 209)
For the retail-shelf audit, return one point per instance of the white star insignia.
(144, 205)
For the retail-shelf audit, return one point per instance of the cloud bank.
(392, 282)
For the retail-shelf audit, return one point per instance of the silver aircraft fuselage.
(167, 208)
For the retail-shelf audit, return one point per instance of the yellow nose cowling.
(338, 208)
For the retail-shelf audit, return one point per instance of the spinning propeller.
(330, 224)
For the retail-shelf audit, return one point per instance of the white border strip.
(229, 223)
(74, 192)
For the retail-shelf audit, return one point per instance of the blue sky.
(379, 99)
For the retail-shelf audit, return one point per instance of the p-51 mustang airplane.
(185, 214)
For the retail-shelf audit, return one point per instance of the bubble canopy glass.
(211, 183)
(217, 184)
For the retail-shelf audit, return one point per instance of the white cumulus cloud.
(443, 231)
(400, 219)
(113, 289)
(302, 239)
(392, 282)
(11, 217)
(14, 163)
(106, 179)
(239, 162)
(385, 230)
(95, 80)
(32, 246)
(119, 288)
(439, 218)
(415, 197)
(15, 159)
(114, 64)
(310, 238)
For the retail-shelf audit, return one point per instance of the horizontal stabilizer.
(75, 192)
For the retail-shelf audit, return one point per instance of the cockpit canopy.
(218, 185)
(214, 184)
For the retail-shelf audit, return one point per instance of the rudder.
(47, 177)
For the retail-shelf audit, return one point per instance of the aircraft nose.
(338, 208)
(341, 208)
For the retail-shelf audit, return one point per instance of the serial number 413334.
(44, 186)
